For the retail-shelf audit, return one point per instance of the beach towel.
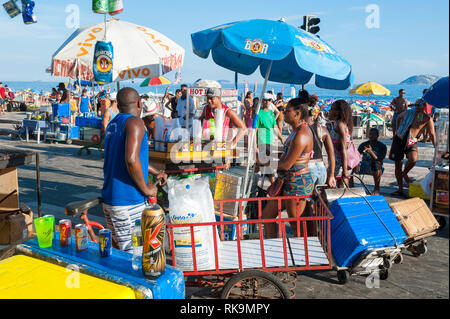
(406, 123)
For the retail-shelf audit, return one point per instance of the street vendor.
(64, 93)
(293, 167)
(213, 96)
(125, 191)
(149, 122)
(84, 103)
(410, 125)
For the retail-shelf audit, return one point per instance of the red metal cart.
(250, 263)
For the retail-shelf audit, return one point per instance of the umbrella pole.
(247, 184)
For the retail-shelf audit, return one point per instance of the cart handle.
(362, 183)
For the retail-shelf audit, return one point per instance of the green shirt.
(265, 124)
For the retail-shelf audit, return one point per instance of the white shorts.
(120, 220)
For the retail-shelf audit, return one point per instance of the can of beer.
(100, 6)
(81, 237)
(153, 228)
(105, 236)
(65, 232)
(115, 7)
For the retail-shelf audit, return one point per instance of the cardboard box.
(16, 227)
(415, 217)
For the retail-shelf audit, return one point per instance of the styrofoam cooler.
(356, 228)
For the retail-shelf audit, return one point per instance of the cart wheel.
(68, 142)
(343, 276)
(254, 284)
(384, 274)
(398, 259)
(420, 249)
(442, 221)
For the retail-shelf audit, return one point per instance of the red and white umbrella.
(139, 52)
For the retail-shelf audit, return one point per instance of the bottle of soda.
(153, 228)
(136, 237)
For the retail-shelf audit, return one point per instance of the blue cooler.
(60, 109)
(355, 227)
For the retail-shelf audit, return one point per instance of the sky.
(409, 38)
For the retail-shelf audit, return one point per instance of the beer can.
(100, 6)
(115, 7)
(81, 237)
(65, 232)
(105, 237)
(153, 228)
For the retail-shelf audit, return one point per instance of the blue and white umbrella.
(437, 95)
(282, 52)
(293, 54)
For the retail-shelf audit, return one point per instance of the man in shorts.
(410, 124)
(125, 190)
(398, 105)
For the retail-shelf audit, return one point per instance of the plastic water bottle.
(136, 236)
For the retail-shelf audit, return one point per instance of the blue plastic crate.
(93, 122)
(355, 227)
(61, 109)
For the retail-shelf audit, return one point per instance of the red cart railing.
(292, 247)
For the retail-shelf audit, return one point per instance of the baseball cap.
(211, 92)
(267, 96)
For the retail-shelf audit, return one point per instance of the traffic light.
(310, 24)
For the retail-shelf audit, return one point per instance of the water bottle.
(136, 236)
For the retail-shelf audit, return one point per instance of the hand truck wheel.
(420, 249)
(384, 274)
(343, 276)
(254, 284)
(398, 259)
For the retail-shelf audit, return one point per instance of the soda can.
(115, 7)
(100, 6)
(81, 237)
(65, 232)
(105, 236)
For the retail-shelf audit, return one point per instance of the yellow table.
(23, 277)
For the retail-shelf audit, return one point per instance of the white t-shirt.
(181, 109)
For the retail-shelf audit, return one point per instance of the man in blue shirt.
(126, 167)
(181, 107)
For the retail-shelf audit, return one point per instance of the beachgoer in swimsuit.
(398, 105)
(293, 167)
(341, 136)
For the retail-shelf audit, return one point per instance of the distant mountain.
(420, 80)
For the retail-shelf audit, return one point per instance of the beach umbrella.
(139, 52)
(370, 88)
(159, 80)
(437, 95)
(356, 107)
(283, 53)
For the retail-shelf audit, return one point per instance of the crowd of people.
(299, 166)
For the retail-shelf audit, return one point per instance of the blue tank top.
(118, 186)
(113, 115)
(84, 104)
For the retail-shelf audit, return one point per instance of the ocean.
(412, 92)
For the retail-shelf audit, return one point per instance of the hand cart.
(249, 264)
(377, 260)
